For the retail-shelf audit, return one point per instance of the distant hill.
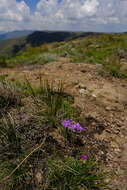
(40, 37)
(14, 34)
(11, 46)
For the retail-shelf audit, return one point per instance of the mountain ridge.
(14, 34)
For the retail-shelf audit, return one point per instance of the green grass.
(21, 179)
(39, 59)
(6, 46)
(73, 174)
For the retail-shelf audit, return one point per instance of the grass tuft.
(9, 96)
(52, 98)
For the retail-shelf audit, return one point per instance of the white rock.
(83, 91)
(108, 108)
(94, 95)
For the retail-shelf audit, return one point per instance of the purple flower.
(77, 127)
(72, 125)
(66, 123)
(84, 157)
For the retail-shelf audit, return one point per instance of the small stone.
(83, 91)
(117, 150)
(94, 95)
(102, 153)
(107, 180)
(108, 108)
(39, 177)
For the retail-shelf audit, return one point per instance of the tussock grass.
(8, 134)
(9, 97)
(52, 98)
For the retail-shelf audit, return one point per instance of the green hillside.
(109, 50)
(7, 46)
(13, 46)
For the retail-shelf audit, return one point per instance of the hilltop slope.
(102, 102)
(80, 81)
(108, 50)
(17, 44)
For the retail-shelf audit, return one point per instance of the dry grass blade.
(19, 165)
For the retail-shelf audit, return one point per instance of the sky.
(67, 15)
(31, 3)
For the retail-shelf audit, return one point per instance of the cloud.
(66, 15)
(13, 11)
(94, 15)
(67, 9)
(13, 14)
(82, 14)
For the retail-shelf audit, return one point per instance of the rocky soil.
(102, 100)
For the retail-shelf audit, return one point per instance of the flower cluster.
(84, 157)
(72, 125)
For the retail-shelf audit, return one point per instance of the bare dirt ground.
(99, 98)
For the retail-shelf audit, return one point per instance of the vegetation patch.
(76, 174)
(46, 144)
